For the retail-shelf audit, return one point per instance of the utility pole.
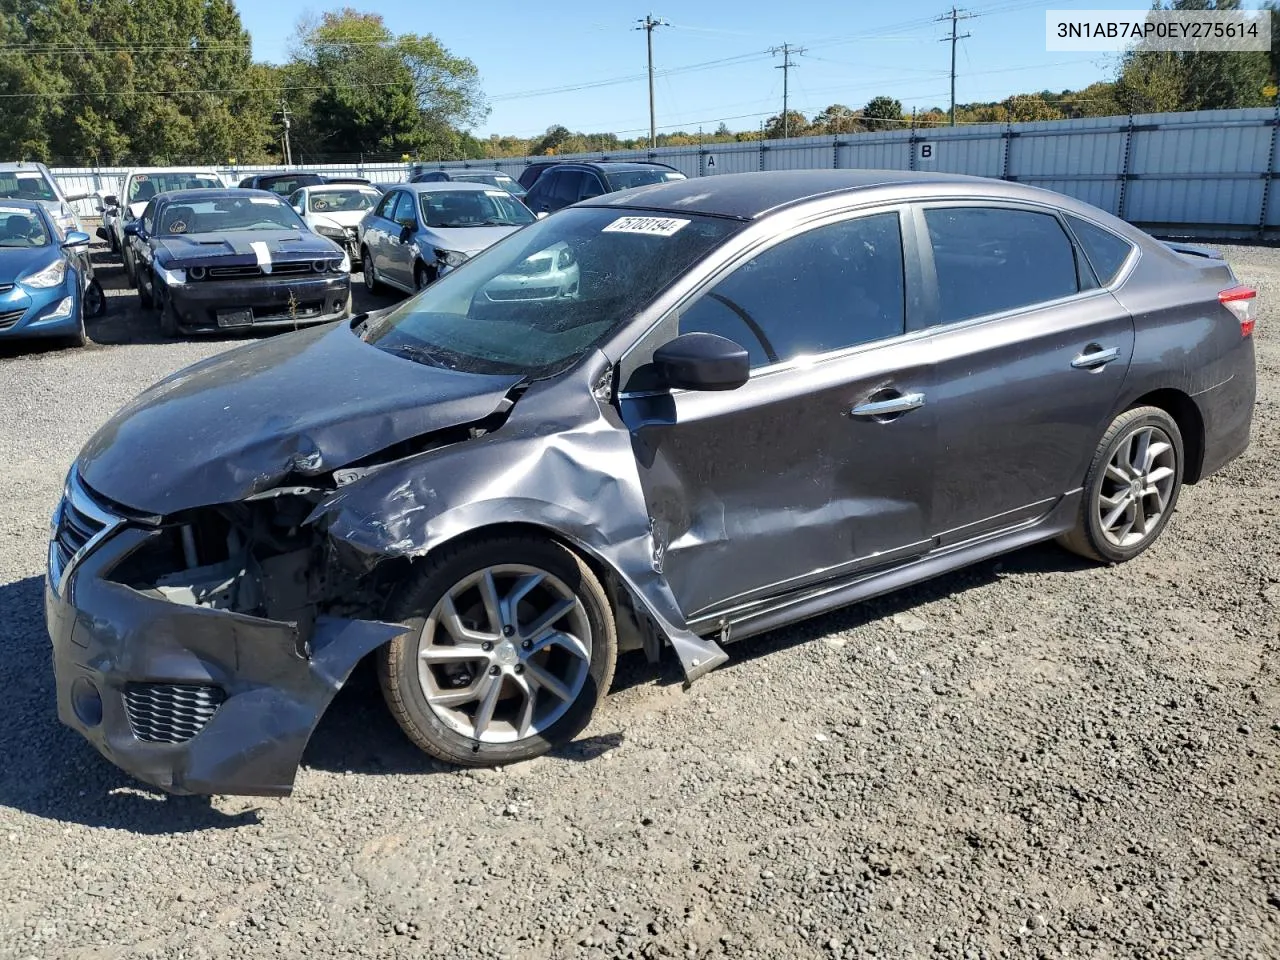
(648, 24)
(955, 16)
(786, 50)
(286, 121)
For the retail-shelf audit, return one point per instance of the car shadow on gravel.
(358, 735)
(50, 771)
(1040, 558)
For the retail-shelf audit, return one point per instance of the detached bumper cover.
(109, 639)
(269, 301)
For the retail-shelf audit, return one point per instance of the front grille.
(302, 310)
(79, 523)
(170, 712)
(11, 318)
(524, 293)
(247, 272)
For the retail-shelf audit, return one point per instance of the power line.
(955, 17)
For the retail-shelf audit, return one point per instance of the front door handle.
(1095, 358)
(890, 406)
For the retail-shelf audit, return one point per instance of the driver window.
(148, 218)
(387, 205)
(827, 289)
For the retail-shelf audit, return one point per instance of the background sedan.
(43, 276)
(421, 230)
(335, 210)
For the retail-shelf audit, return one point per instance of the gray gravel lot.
(1033, 757)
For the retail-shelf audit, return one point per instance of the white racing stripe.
(263, 253)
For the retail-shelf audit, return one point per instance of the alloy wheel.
(505, 653)
(1136, 486)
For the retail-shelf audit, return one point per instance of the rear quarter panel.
(1186, 340)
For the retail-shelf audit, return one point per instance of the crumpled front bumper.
(272, 301)
(277, 684)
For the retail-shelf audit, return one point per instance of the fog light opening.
(86, 702)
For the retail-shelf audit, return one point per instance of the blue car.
(46, 280)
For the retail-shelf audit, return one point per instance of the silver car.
(35, 182)
(420, 231)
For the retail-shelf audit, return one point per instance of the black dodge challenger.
(213, 260)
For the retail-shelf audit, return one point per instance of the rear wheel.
(512, 645)
(1131, 488)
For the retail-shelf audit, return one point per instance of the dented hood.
(300, 404)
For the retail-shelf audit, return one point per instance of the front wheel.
(511, 646)
(371, 282)
(95, 299)
(1131, 488)
(423, 277)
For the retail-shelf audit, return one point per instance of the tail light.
(1242, 302)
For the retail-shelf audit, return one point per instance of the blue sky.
(855, 51)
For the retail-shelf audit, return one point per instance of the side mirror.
(102, 234)
(111, 200)
(131, 229)
(406, 233)
(702, 361)
(76, 239)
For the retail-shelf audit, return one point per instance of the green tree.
(358, 89)
(140, 86)
(796, 126)
(1153, 81)
(837, 118)
(882, 113)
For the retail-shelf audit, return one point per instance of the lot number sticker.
(655, 226)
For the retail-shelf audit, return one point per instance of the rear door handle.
(1096, 358)
(890, 407)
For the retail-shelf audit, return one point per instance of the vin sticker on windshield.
(656, 226)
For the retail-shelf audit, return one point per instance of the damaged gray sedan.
(765, 396)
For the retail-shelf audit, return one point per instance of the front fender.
(576, 480)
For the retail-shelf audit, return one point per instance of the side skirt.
(801, 605)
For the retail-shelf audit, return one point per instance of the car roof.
(136, 170)
(35, 206)
(616, 164)
(215, 193)
(466, 170)
(444, 185)
(747, 196)
(22, 165)
(339, 185)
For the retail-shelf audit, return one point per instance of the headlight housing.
(50, 276)
(451, 258)
(334, 233)
(172, 277)
(345, 266)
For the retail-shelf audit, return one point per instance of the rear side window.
(832, 287)
(989, 260)
(1105, 251)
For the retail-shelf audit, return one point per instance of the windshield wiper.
(420, 354)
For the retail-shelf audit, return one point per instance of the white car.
(334, 210)
(139, 186)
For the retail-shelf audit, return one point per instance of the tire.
(94, 299)
(1114, 489)
(371, 282)
(145, 299)
(80, 337)
(130, 271)
(422, 277)
(449, 731)
(170, 327)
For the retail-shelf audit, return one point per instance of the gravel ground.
(1033, 757)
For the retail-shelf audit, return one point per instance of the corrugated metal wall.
(1210, 173)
